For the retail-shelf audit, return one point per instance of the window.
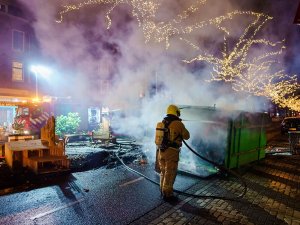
(18, 40)
(17, 71)
(3, 8)
(14, 11)
(22, 111)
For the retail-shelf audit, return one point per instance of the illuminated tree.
(248, 72)
(291, 102)
(253, 75)
(234, 63)
(145, 12)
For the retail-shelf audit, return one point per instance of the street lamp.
(38, 71)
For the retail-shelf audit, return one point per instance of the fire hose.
(220, 167)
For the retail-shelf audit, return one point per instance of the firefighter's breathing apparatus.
(221, 168)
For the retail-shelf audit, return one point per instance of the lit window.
(17, 71)
(18, 40)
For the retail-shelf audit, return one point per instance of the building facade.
(18, 47)
(19, 50)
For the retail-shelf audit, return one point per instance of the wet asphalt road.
(100, 196)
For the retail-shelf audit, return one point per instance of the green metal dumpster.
(229, 138)
(246, 139)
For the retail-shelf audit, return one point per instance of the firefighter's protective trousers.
(168, 162)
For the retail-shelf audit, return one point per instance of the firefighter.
(168, 158)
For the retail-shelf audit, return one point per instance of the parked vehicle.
(290, 124)
(30, 118)
(24, 118)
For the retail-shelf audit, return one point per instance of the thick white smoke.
(145, 77)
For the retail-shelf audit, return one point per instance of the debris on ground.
(83, 156)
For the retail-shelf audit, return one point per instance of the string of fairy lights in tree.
(145, 12)
(282, 93)
(233, 62)
(141, 10)
(292, 102)
(248, 74)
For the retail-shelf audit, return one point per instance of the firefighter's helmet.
(173, 110)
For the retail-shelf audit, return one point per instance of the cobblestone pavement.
(272, 197)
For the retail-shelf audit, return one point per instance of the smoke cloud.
(146, 77)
